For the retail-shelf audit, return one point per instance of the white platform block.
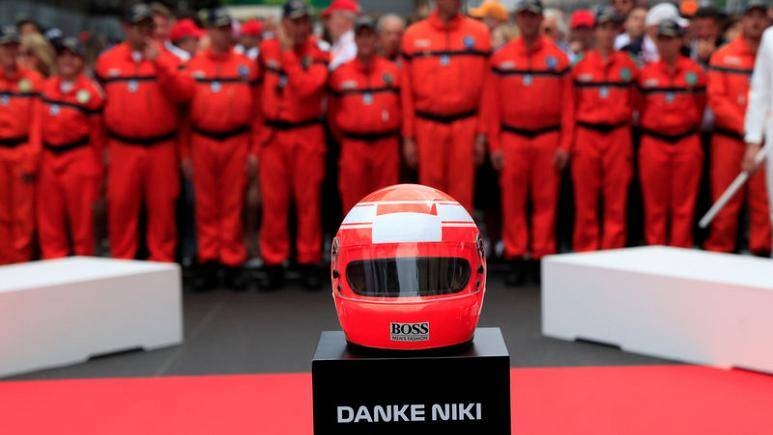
(681, 304)
(61, 312)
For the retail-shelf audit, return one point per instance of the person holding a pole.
(756, 123)
(728, 85)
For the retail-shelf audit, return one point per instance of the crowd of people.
(249, 111)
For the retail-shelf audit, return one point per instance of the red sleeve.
(490, 108)
(700, 97)
(486, 46)
(99, 68)
(406, 91)
(256, 126)
(407, 101)
(35, 146)
(333, 104)
(725, 111)
(306, 81)
(397, 74)
(97, 136)
(575, 91)
(567, 110)
(174, 78)
(259, 131)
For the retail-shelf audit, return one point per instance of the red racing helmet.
(408, 270)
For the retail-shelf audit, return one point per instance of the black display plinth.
(464, 390)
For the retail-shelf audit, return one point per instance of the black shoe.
(206, 277)
(273, 278)
(311, 276)
(189, 278)
(235, 278)
(516, 275)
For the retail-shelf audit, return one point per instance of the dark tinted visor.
(408, 276)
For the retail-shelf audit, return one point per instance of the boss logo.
(409, 331)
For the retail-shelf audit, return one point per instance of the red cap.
(251, 27)
(582, 18)
(341, 5)
(185, 28)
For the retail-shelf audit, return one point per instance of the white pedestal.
(688, 305)
(61, 312)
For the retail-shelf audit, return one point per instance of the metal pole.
(730, 192)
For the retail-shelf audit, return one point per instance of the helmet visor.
(408, 276)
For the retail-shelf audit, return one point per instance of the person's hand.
(498, 159)
(252, 166)
(480, 149)
(187, 167)
(410, 153)
(561, 159)
(575, 47)
(749, 163)
(152, 49)
(285, 41)
(704, 48)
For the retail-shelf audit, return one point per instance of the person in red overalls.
(163, 24)
(185, 35)
(141, 117)
(729, 77)
(221, 86)
(292, 147)
(604, 89)
(443, 72)
(19, 88)
(670, 158)
(72, 140)
(365, 116)
(529, 109)
(250, 36)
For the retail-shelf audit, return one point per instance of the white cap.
(662, 12)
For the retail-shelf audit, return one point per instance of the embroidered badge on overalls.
(83, 96)
(25, 85)
(469, 42)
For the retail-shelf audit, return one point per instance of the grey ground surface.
(227, 333)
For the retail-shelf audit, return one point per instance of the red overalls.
(442, 87)
(364, 113)
(670, 157)
(70, 173)
(728, 86)
(222, 89)
(18, 163)
(602, 153)
(141, 119)
(528, 110)
(292, 149)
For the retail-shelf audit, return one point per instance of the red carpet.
(662, 400)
